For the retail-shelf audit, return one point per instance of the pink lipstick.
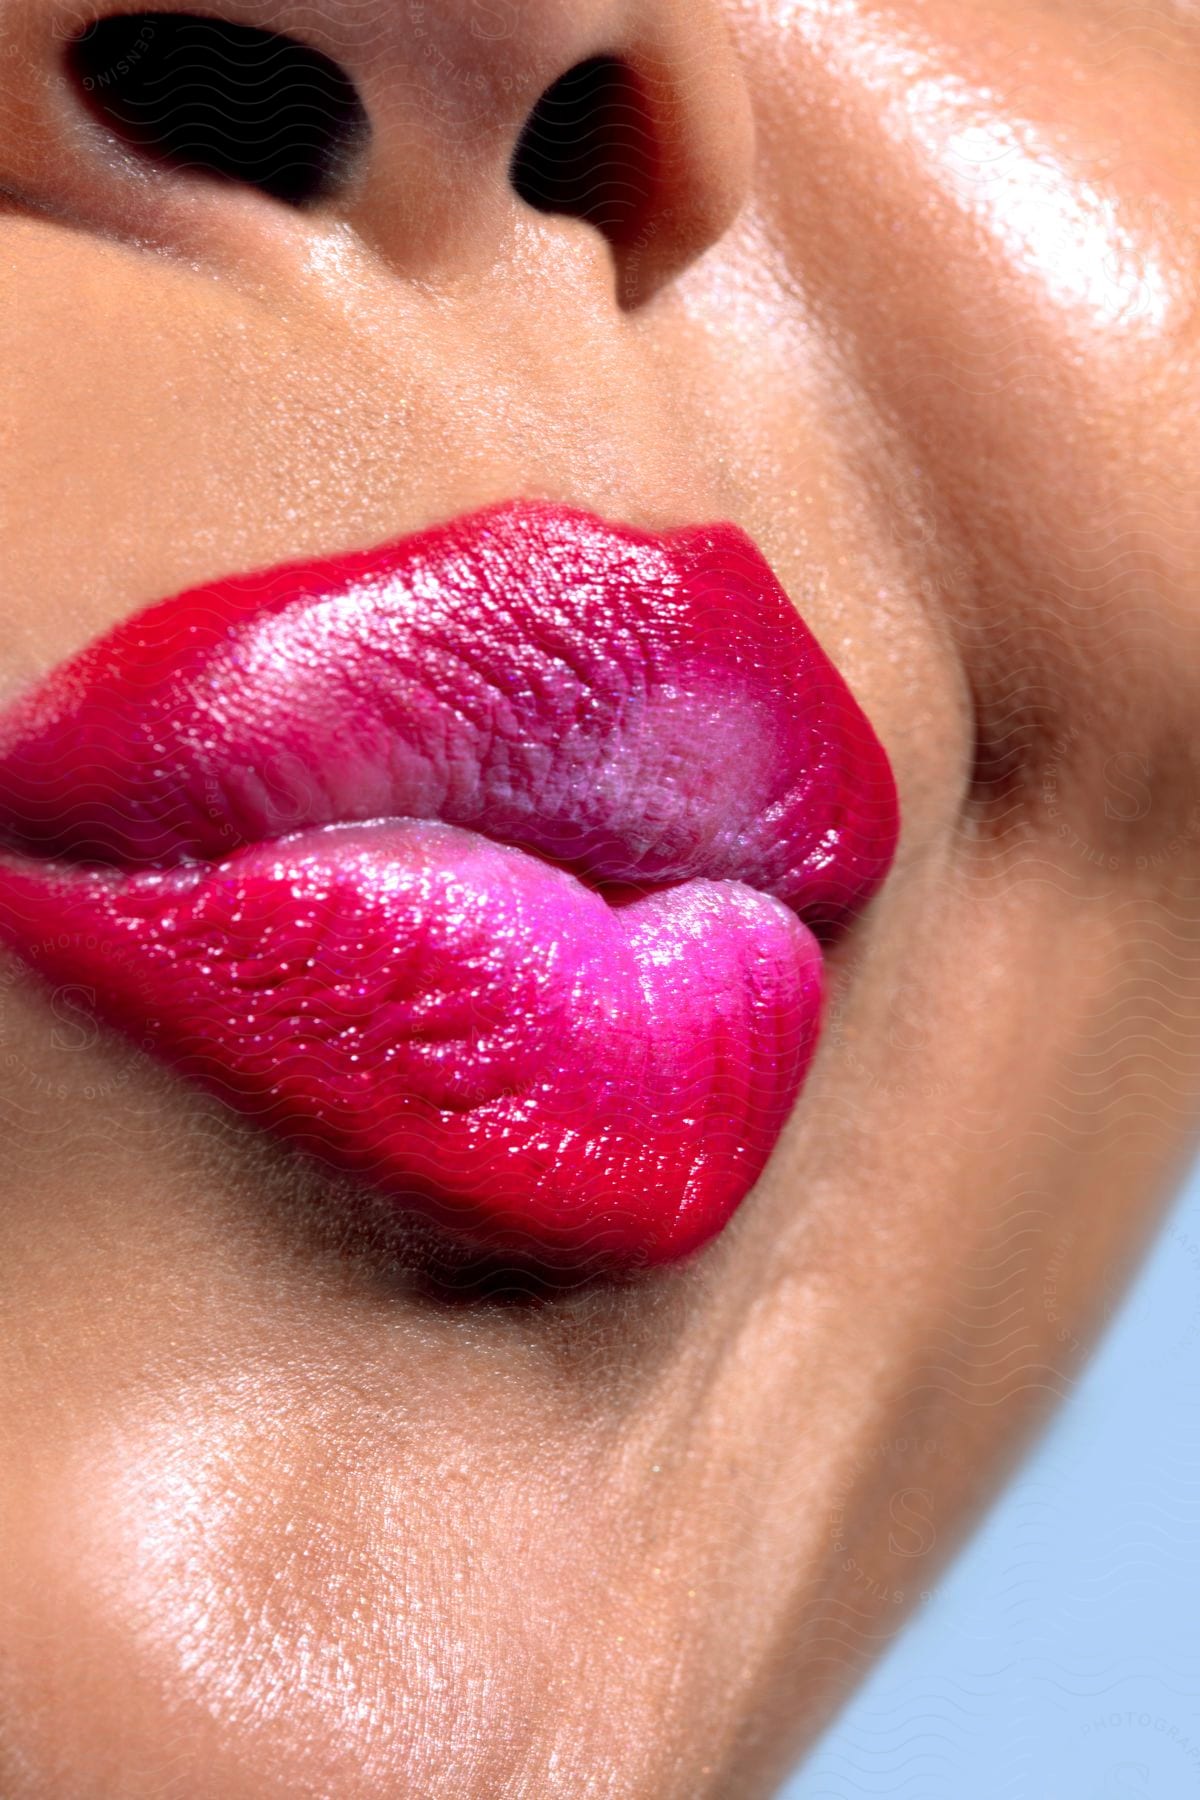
(490, 866)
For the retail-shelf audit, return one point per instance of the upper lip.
(641, 708)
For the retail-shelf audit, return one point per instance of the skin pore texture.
(912, 301)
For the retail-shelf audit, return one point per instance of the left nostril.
(223, 99)
(588, 150)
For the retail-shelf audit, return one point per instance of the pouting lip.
(644, 708)
(546, 1077)
(371, 761)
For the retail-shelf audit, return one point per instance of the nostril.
(588, 150)
(224, 99)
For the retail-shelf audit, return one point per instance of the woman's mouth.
(489, 866)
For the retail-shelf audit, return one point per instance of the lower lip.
(551, 1072)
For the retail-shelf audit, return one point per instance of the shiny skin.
(918, 312)
(544, 1071)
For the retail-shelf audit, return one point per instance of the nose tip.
(628, 116)
(433, 129)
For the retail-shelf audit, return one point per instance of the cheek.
(233, 1597)
(1020, 301)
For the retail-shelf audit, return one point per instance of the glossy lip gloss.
(490, 865)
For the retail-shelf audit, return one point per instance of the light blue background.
(1060, 1657)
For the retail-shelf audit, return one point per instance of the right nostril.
(588, 150)
(223, 99)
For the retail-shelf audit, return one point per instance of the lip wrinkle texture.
(490, 866)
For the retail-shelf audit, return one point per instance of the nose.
(440, 130)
